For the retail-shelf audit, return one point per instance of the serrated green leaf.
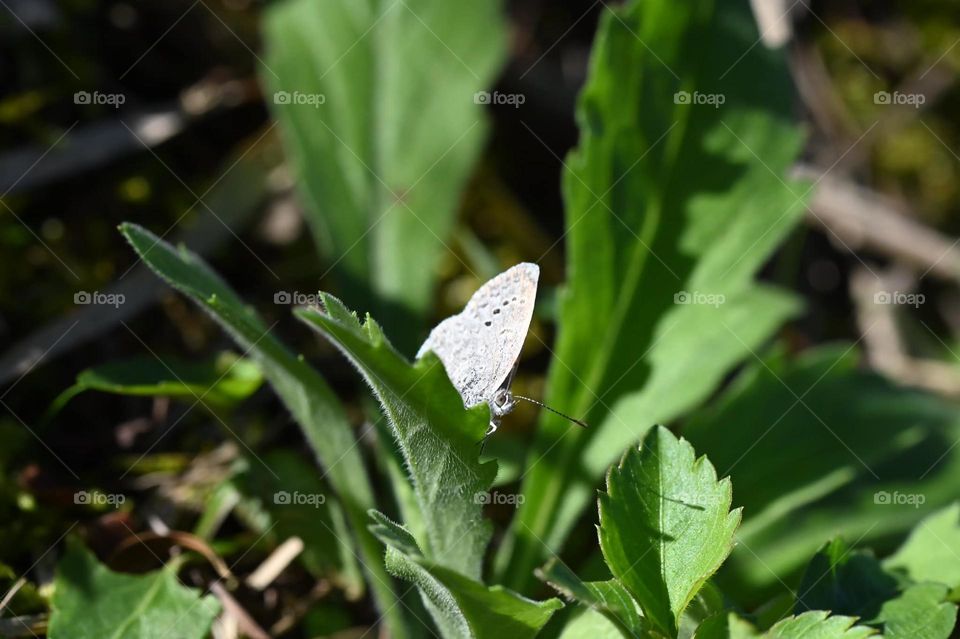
(661, 198)
(932, 552)
(92, 602)
(665, 525)
(302, 390)
(395, 77)
(609, 598)
(437, 436)
(818, 624)
(854, 583)
(463, 608)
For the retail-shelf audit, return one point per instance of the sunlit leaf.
(376, 101)
(665, 525)
(437, 436)
(673, 203)
(92, 602)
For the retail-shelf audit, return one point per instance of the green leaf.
(462, 607)
(303, 391)
(665, 525)
(854, 583)
(609, 598)
(437, 436)
(661, 199)
(383, 160)
(588, 623)
(393, 534)
(92, 602)
(932, 552)
(222, 382)
(726, 625)
(838, 429)
(817, 624)
(845, 582)
(920, 612)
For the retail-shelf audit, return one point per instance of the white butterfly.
(480, 347)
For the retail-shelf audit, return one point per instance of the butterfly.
(480, 347)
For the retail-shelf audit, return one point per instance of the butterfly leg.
(490, 431)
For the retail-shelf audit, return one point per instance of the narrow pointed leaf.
(437, 436)
(665, 525)
(303, 391)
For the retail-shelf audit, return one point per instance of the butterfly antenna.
(576, 421)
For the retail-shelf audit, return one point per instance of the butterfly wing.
(480, 346)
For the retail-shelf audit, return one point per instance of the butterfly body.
(480, 346)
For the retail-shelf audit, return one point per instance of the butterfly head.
(502, 403)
